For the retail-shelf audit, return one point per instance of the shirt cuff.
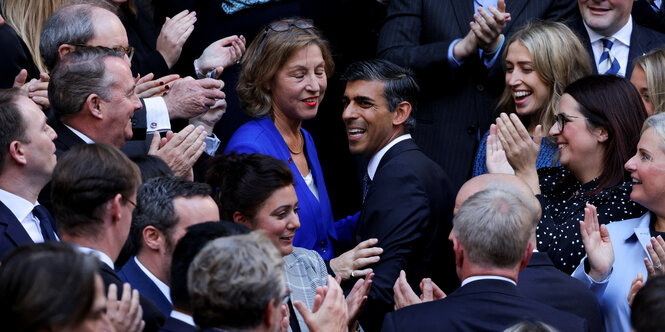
(489, 62)
(212, 144)
(451, 59)
(157, 114)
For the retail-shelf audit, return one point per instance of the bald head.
(505, 182)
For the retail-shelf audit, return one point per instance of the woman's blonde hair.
(653, 64)
(27, 17)
(268, 52)
(559, 58)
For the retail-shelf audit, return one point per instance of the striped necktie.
(608, 64)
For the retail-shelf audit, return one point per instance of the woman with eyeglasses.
(649, 79)
(541, 58)
(283, 80)
(597, 128)
(258, 191)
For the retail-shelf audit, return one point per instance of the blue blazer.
(176, 325)
(317, 227)
(12, 233)
(133, 274)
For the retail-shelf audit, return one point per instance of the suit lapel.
(14, 230)
(463, 12)
(398, 148)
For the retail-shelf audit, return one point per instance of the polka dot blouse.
(558, 232)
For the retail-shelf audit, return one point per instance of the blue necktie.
(608, 64)
(44, 222)
(366, 183)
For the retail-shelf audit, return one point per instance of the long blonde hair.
(27, 17)
(559, 58)
(653, 64)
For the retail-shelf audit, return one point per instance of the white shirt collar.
(476, 278)
(19, 206)
(164, 288)
(102, 256)
(376, 159)
(183, 317)
(623, 35)
(81, 135)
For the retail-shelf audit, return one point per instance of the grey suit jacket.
(304, 270)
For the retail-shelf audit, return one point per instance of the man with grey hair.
(491, 241)
(81, 25)
(166, 206)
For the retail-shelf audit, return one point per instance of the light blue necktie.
(608, 64)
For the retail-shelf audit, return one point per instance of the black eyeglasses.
(129, 201)
(129, 51)
(561, 119)
(285, 25)
(286, 297)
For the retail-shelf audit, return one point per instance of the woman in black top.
(597, 128)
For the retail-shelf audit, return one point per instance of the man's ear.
(269, 315)
(93, 105)
(16, 153)
(241, 219)
(527, 256)
(114, 208)
(401, 113)
(153, 238)
(65, 49)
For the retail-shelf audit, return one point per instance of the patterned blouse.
(558, 232)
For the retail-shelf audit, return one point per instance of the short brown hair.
(12, 125)
(85, 178)
(266, 54)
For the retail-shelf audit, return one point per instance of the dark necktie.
(366, 183)
(45, 222)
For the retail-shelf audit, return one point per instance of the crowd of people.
(499, 169)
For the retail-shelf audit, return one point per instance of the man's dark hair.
(44, 285)
(154, 205)
(151, 166)
(85, 178)
(399, 84)
(77, 76)
(648, 310)
(195, 239)
(12, 126)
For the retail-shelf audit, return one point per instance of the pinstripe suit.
(304, 270)
(456, 103)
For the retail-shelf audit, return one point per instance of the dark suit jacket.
(408, 208)
(644, 14)
(15, 56)
(152, 316)
(457, 104)
(133, 274)
(642, 40)
(12, 233)
(543, 282)
(483, 305)
(176, 325)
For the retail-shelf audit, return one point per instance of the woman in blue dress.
(540, 59)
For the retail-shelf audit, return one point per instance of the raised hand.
(488, 26)
(657, 253)
(180, 151)
(329, 313)
(405, 296)
(495, 155)
(174, 34)
(221, 54)
(635, 286)
(146, 87)
(126, 314)
(598, 245)
(521, 150)
(351, 263)
(357, 298)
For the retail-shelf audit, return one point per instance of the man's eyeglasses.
(129, 201)
(561, 119)
(129, 51)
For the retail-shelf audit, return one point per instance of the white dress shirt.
(620, 48)
(185, 318)
(100, 255)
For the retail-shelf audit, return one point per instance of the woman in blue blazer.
(283, 80)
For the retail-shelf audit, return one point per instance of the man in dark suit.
(166, 206)
(27, 160)
(407, 197)
(459, 90)
(94, 190)
(195, 239)
(611, 37)
(650, 14)
(488, 299)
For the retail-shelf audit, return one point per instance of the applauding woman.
(540, 60)
(597, 128)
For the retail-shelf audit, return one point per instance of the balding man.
(488, 298)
